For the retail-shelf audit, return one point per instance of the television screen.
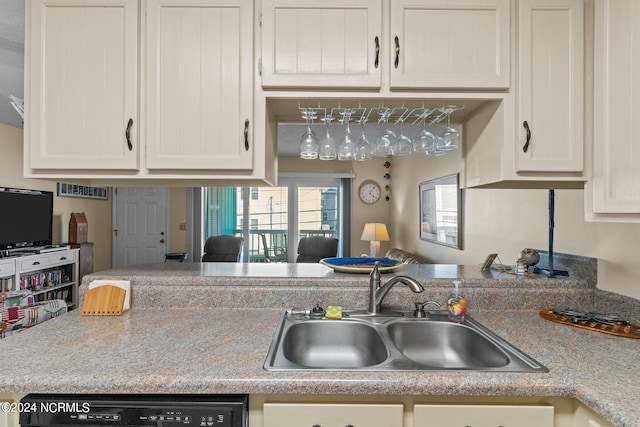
(26, 218)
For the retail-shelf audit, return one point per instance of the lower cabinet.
(301, 410)
(332, 415)
(483, 416)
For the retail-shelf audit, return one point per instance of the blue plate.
(360, 264)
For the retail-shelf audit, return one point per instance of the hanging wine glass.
(402, 145)
(425, 140)
(381, 146)
(309, 142)
(347, 145)
(327, 149)
(363, 148)
(449, 136)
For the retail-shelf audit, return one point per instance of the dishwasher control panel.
(50, 410)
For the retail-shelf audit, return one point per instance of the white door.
(550, 92)
(483, 415)
(199, 84)
(616, 159)
(82, 77)
(328, 43)
(449, 44)
(139, 226)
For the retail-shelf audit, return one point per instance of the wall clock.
(369, 192)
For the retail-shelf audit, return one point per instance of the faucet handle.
(375, 272)
(419, 311)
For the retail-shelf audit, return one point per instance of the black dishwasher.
(64, 410)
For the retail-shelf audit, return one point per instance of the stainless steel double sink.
(397, 342)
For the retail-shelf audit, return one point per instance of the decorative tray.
(361, 264)
(617, 328)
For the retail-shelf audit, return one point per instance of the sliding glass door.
(272, 219)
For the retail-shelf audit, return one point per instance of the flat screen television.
(26, 218)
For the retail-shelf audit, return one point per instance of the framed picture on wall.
(441, 211)
(82, 191)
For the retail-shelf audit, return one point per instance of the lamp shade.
(375, 232)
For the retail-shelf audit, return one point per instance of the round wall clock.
(369, 192)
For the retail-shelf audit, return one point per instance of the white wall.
(98, 212)
(506, 221)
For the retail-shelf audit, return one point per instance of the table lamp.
(374, 232)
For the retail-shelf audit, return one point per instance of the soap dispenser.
(456, 304)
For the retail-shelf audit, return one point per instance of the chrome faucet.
(377, 292)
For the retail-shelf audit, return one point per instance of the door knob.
(161, 240)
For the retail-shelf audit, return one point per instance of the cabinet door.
(450, 44)
(7, 268)
(332, 415)
(550, 86)
(81, 80)
(616, 182)
(311, 43)
(198, 84)
(482, 416)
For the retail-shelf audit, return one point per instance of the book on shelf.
(6, 284)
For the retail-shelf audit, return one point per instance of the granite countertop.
(188, 332)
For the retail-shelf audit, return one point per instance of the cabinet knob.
(396, 62)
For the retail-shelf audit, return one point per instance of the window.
(278, 216)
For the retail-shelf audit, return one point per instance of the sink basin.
(397, 342)
(325, 344)
(446, 345)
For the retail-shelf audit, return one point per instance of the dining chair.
(314, 248)
(223, 248)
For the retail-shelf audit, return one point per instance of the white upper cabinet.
(534, 136)
(332, 43)
(449, 44)
(81, 90)
(615, 188)
(550, 92)
(431, 44)
(160, 90)
(198, 82)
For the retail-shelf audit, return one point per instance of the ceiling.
(11, 59)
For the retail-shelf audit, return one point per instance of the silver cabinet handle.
(127, 133)
(526, 144)
(377, 60)
(397, 60)
(246, 134)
